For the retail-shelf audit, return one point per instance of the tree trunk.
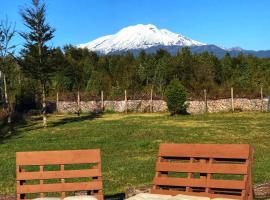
(5, 89)
(44, 114)
(6, 99)
(57, 101)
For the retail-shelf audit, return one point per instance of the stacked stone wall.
(194, 107)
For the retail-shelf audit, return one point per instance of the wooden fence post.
(126, 106)
(205, 101)
(151, 100)
(57, 101)
(79, 103)
(261, 99)
(268, 104)
(232, 101)
(102, 101)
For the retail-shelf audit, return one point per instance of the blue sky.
(228, 23)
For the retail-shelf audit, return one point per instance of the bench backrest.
(211, 170)
(61, 180)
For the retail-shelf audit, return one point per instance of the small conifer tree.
(176, 97)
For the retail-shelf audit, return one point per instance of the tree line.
(39, 70)
(83, 70)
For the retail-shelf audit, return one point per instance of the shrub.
(176, 97)
(25, 101)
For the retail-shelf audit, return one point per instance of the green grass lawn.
(129, 143)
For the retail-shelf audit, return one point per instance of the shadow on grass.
(8, 131)
(119, 196)
(66, 120)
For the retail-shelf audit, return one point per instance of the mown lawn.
(129, 143)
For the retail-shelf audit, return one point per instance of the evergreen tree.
(203, 72)
(163, 60)
(227, 70)
(185, 67)
(35, 55)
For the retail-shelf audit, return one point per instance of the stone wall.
(116, 106)
(224, 105)
(194, 107)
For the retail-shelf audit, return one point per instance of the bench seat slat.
(205, 194)
(58, 174)
(60, 187)
(202, 168)
(58, 157)
(230, 151)
(223, 184)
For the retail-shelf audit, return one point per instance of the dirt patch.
(132, 191)
(7, 197)
(262, 190)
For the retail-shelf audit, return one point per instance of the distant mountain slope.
(150, 38)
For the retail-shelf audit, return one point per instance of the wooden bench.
(209, 170)
(67, 180)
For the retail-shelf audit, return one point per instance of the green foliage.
(95, 84)
(79, 69)
(116, 92)
(176, 97)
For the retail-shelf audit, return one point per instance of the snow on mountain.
(138, 37)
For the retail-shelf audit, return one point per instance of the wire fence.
(225, 93)
(124, 100)
(234, 99)
(221, 93)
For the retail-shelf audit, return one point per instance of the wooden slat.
(41, 182)
(99, 196)
(226, 196)
(191, 160)
(209, 176)
(202, 194)
(62, 168)
(175, 192)
(60, 187)
(223, 184)
(233, 151)
(58, 157)
(58, 174)
(202, 168)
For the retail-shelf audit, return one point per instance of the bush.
(25, 101)
(176, 97)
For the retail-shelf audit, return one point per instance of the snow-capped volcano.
(149, 38)
(138, 37)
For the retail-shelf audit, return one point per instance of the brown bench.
(209, 170)
(67, 180)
